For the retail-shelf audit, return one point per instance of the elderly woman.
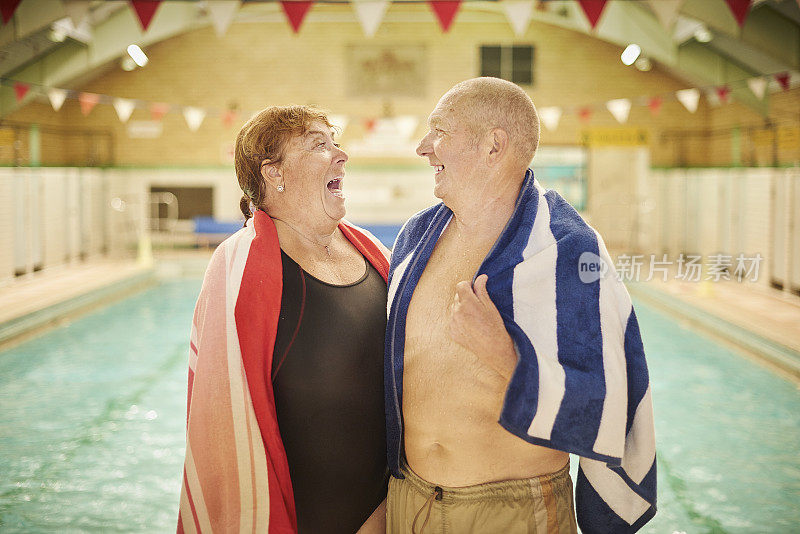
(286, 427)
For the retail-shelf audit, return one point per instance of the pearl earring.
(280, 188)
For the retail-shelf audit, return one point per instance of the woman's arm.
(376, 523)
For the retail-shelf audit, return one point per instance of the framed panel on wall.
(386, 70)
(513, 63)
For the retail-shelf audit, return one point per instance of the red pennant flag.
(593, 9)
(296, 11)
(21, 89)
(88, 101)
(783, 80)
(655, 105)
(158, 110)
(369, 124)
(445, 11)
(722, 93)
(739, 8)
(585, 114)
(228, 116)
(7, 9)
(145, 9)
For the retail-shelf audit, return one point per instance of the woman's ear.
(271, 174)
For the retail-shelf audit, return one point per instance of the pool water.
(92, 426)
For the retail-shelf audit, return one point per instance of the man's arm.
(476, 325)
(376, 523)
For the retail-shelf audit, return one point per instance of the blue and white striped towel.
(581, 383)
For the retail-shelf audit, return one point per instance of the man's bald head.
(486, 103)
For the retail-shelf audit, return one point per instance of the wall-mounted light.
(138, 56)
(630, 54)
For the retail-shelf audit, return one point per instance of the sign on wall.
(382, 70)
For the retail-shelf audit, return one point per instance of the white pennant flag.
(406, 126)
(221, 13)
(620, 108)
(518, 13)
(370, 14)
(57, 97)
(666, 11)
(194, 117)
(758, 86)
(124, 107)
(689, 98)
(550, 117)
(339, 121)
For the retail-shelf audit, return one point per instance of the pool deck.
(37, 301)
(762, 322)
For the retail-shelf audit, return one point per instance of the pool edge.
(775, 356)
(21, 328)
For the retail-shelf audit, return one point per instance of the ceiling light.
(630, 54)
(138, 56)
(643, 64)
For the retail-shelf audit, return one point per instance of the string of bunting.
(550, 116)
(370, 13)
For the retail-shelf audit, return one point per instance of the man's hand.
(476, 325)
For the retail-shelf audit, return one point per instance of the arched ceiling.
(768, 43)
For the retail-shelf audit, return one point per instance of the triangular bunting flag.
(21, 89)
(723, 92)
(145, 9)
(518, 13)
(7, 9)
(228, 116)
(158, 110)
(666, 11)
(194, 117)
(593, 9)
(406, 125)
(88, 101)
(57, 97)
(445, 11)
(655, 105)
(124, 107)
(585, 114)
(296, 11)
(758, 86)
(370, 14)
(550, 117)
(369, 125)
(739, 8)
(783, 80)
(689, 98)
(339, 122)
(620, 108)
(76, 10)
(221, 13)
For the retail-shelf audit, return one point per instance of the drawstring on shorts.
(436, 495)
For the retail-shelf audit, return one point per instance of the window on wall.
(512, 63)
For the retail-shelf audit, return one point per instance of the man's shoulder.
(414, 228)
(567, 225)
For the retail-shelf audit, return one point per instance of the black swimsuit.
(328, 382)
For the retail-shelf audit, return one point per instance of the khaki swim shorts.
(538, 505)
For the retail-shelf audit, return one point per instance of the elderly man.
(509, 345)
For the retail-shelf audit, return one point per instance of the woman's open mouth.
(335, 187)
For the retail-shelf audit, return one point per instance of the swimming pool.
(92, 426)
